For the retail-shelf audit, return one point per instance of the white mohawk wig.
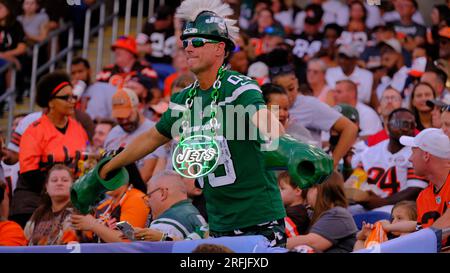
(190, 9)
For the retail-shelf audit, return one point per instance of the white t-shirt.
(392, 16)
(117, 138)
(397, 81)
(387, 173)
(369, 121)
(335, 12)
(100, 100)
(373, 16)
(314, 115)
(13, 145)
(11, 174)
(361, 77)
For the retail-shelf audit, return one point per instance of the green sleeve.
(173, 113)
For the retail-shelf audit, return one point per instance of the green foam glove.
(307, 165)
(88, 190)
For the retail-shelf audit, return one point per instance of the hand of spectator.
(386, 225)
(111, 223)
(83, 222)
(147, 234)
(365, 231)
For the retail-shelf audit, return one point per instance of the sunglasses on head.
(400, 124)
(281, 70)
(445, 108)
(198, 42)
(66, 97)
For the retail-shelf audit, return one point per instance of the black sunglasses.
(66, 97)
(445, 108)
(198, 42)
(281, 70)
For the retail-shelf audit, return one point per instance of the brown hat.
(123, 103)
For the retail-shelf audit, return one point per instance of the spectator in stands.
(347, 69)
(50, 222)
(431, 158)
(332, 226)
(439, 18)
(34, 22)
(403, 222)
(54, 138)
(346, 92)
(158, 43)
(438, 107)
(444, 50)
(358, 12)
(294, 200)
(147, 93)
(80, 73)
(283, 14)
(411, 33)
(329, 49)
(418, 104)
(181, 68)
(309, 41)
(277, 101)
(437, 78)
(12, 47)
(391, 178)
(126, 63)
(174, 216)
(315, 75)
(333, 12)
(212, 248)
(124, 204)
(394, 68)
(390, 100)
(445, 120)
(131, 123)
(313, 114)
(10, 160)
(390, 16)
(11, 234)
(239, 62)
(102, 129)
(264, 20)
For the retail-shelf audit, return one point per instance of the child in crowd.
(294, 200)
(403, 222)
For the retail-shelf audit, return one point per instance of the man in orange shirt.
(11, 234)
(431, 159)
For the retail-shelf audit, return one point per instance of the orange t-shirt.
(42, 145)
(11, 234)
(168, 84)
(431, 205)
(131, 208)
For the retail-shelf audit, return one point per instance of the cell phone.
(126, 229)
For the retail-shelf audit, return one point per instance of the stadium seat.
(370, 217)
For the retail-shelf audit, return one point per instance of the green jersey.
(240, 192)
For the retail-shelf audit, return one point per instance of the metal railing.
(9, 95)
(54, 57)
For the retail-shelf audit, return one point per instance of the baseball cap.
(430, 140)
(147, 82)
(445, 32)
(313, 14)
(349, 50)
(258, 70)
(123, 103)
(418, 67)
(392, 43)
(348, 111)
(127, 43)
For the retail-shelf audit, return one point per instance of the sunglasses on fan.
(198, 42)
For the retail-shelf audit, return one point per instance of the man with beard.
(395, 70)
(131, 123)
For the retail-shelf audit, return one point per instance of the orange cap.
(445, 32)
(123, 103)
(127, 43)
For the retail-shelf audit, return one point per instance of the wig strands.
(190, 9)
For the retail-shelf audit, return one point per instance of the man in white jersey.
(391, 177)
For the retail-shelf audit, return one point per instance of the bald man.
(174, 216)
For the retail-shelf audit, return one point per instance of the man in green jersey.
(242, 197)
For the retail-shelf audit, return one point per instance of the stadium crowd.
(368, 84)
